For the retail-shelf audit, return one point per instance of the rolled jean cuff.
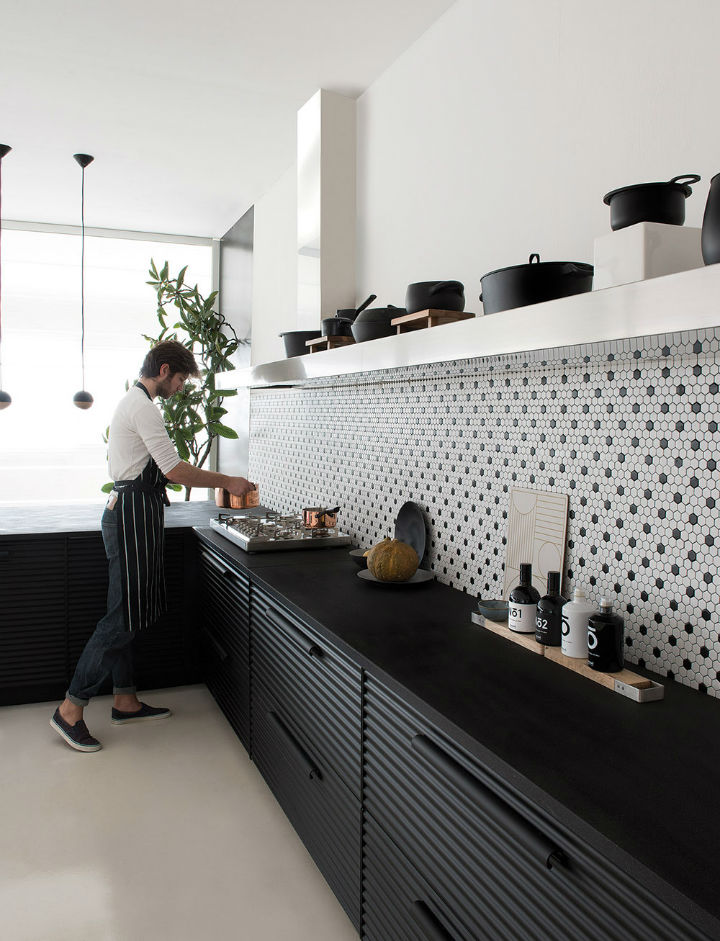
(75, 701)
(124, 690)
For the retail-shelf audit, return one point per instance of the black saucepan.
(534, 283)
(650, 202)
(336, 327)
(440, 295)
(350, 313)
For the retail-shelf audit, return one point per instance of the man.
(142, 459)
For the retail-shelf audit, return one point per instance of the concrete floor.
(167, 834)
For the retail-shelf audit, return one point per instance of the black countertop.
(639, 782)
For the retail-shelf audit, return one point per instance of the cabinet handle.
(430, 924)
(310, 767)
(217, 565)
(548, 854)
(309, 646)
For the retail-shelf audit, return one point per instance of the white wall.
(274, 269)
(499, 131)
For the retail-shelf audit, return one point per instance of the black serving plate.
(410, 527)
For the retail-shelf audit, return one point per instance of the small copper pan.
(317, 517)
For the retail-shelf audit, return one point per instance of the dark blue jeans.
(109, 649)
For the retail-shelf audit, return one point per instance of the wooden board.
(580, 665)
(428, 318)
(328, 343)
(625, 682)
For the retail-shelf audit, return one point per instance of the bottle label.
(521, 617)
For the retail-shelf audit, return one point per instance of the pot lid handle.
(686, 178)
(534, 257)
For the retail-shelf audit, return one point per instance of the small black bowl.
(493, 610)
(359, 558)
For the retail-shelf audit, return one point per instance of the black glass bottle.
(605, 639)
(548, 622)
(522, 603)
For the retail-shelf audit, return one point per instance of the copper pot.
(317, 517)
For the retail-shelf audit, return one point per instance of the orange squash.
(393, 561)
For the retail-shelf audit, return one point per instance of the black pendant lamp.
(5, 399)
(83, 399)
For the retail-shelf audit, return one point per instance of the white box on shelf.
(646, 250)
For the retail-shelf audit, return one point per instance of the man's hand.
(238, 486)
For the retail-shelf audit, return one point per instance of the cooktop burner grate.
(267, 530)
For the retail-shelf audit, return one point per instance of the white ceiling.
(189, 108)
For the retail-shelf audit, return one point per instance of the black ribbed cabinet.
(306, 735)
(225, 639)
(451, 852)
(53, 591)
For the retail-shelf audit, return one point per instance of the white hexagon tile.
(629, 430)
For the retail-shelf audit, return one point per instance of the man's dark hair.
(178, 357)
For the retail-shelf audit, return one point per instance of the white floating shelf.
(680, 302)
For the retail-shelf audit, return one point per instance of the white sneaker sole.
(70, 742)
(164, 715)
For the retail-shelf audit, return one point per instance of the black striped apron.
(140, 513)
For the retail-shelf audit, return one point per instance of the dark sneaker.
(140, 715)
(77, 736)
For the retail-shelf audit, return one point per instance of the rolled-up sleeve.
(151, 428)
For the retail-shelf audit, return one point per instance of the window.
(51, 451)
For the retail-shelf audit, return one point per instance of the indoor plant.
(193, 416)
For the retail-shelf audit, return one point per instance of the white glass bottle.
(575, 617)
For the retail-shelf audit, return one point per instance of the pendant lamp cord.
(82, 277)
(0, 272)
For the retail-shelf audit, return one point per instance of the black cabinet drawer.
(225, 632)
(493, 858)
(33, 603)
(398, 904)
(319, 688)
(325, 814)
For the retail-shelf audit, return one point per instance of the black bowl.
(372, 331)
(359, 558)
(295, 341)
(437, 295)
(493, 610)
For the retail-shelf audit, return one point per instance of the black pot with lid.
(650, 202)
(534, 283)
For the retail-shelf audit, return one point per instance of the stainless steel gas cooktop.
(266, 531)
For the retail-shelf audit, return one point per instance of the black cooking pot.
(440, 295)
(650, 202)
(336, 327)
(295, 341)
(380, 314)
(534, 283)
(372, 330)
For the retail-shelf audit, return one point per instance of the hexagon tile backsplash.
(628, 429)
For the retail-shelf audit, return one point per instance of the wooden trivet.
(327, 343)
(624, 682)
(428, 318)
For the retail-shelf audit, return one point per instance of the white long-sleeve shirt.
(137, 432)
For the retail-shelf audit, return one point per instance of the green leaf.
(176, 487)
(164, 272)
(106, 488)
(222, 430)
